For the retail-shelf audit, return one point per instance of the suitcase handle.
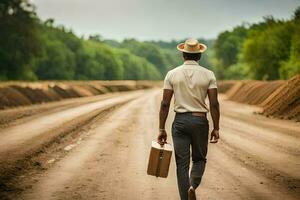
(163, 144)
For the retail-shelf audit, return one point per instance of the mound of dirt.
(253, 92)
(10, 97)
(35, 95)
(92, 90)
(278, 98)
(82, 91)
(234, 88)
(284, 102)
(14, 94)
(100, 88)
(64, 90)
(224, 86)
(119, 87)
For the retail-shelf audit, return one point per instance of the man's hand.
(162, 137)
(214, 136)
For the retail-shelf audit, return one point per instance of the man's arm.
(215, 113)
(163, 114)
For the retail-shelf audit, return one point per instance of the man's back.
(190, 82)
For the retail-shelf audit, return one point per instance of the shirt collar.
(190, 62)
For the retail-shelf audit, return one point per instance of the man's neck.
(193, 62)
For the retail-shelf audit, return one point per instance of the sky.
(159, 19)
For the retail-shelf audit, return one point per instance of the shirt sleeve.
(212, 82)
(167, 82)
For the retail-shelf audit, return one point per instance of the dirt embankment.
(285, 101)
(224, 86)
(253, 92)
(278, 98)
(14, 94)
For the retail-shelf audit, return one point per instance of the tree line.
(267, 50)
(32, 49)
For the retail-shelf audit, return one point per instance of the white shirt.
(190, 83)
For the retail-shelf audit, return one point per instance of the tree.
(148, 51)
(227, 48)
(97, 38)
(58, 62)
(18, 39)
(137, 68)
(291, 67)
(107, 58)
(265, 49)
(229, 44)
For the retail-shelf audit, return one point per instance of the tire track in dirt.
(15, 136)
(15, 116)
(103, 162)
(272, 139)
(22, 164)
(268, 153)
(21, 156)
(244, 112)
(227, 179)
(111, 162)
(263, 152)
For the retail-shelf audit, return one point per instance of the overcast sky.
(159, 19)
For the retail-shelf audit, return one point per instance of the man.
(190, 83)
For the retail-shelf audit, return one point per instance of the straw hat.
(191, 46)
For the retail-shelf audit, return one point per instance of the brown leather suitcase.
(159, 160)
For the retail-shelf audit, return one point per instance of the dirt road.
(97, 148)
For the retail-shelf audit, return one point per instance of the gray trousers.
(189, 131)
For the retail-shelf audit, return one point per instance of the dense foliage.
(34, 50)
(66, 56)
(18, 39)
(267, 50)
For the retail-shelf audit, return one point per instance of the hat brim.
(201, 48)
